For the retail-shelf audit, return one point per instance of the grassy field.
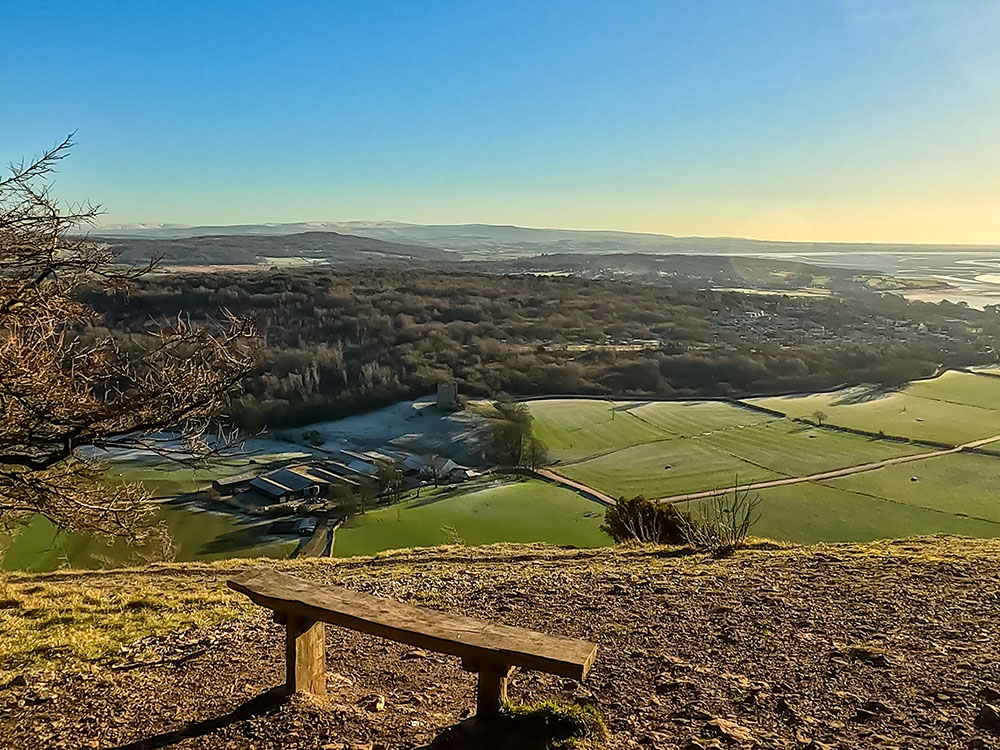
(954, 408)
(828, 512)
(575, 428)
(697, 418)
(962, 485)
(194, 535)
(665, 449)
(665, 468)
(661, 449)
(515, 511)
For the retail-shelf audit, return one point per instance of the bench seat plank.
(477, 642)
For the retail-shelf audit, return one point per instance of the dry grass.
(72, 625)
(74, 620)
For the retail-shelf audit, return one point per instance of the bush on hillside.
(639, 519)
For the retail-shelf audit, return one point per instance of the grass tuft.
(555, 725)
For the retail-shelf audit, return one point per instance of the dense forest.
(345, 341)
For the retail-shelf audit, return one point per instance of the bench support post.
(492, 691)
(305, 656)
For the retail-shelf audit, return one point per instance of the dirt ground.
(838, 646)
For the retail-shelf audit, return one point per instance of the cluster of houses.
(322, 484)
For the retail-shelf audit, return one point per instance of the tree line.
(337, 342)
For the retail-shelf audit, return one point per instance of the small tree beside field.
(721, 523)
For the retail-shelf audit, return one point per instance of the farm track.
(591, 493)
(835, 474)
(588, 492)
(552, 473)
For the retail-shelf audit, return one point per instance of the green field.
(662, 449)
(575, 428)
(812, 512)
(38, 546)
(963, 485)
(954, 494)
(625, 448)
(515, 511)
(954, 408)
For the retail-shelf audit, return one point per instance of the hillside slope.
(320, 247)
(890, 644)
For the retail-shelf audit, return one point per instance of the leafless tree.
(433, 464)
(64, 395)
(720, 524)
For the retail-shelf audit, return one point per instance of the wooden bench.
(487, 648)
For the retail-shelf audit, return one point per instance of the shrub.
(552, 725)
(639, 519)
(721, 523)
(454, 536)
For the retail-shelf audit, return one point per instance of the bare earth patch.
(848, 646)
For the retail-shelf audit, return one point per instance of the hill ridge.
(838, 645)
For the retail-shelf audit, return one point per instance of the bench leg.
(305, 656)
(492, 691)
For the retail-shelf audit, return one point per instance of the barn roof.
(290, 479)
(268, 487)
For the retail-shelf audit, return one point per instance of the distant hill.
(235, 249)
(493, 242)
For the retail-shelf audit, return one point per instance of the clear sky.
(848, 120)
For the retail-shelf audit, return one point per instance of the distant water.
(975, 277)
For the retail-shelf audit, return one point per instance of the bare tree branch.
(65, 387)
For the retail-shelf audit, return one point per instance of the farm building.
(284, 484)
(363, 467)
(329, 482)
(384, 457)
(229, 485)
(413, 464)
(361, 463)
(439, 466)
(462, 474)
(341, 470)
(271, 490)
(330, 477)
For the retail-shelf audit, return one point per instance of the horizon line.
(154, 226)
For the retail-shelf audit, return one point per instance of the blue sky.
(855, 120)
